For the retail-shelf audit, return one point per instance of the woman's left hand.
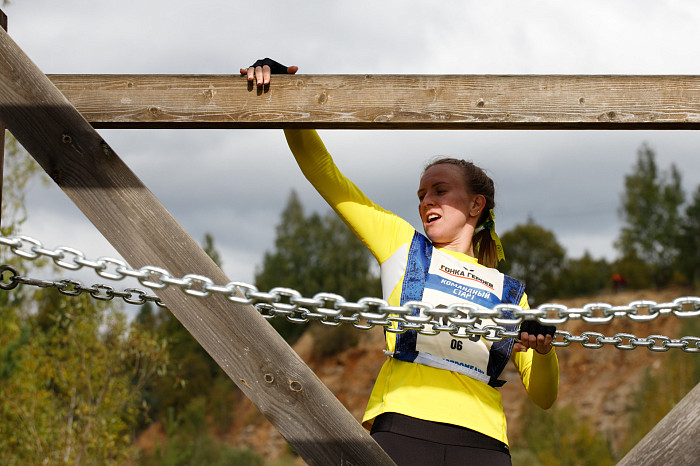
(261, 70)
(536, 336)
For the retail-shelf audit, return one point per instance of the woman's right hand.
(536, 336)
(261, 70)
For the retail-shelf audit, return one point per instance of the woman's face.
(448, 211)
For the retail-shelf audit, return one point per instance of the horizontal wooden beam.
(386, 101)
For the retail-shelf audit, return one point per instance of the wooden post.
(239, 339)
(387, 101)
(3, 25)
(674, 440)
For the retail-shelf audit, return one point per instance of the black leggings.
(411, 441)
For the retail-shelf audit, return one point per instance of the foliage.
(315, 254)
(561, 437)
(20, 171)
(188, 442)
(689, 242)
(637, 273)
(211, 250)
(661, 390)
(523, 457)
(71, 380)
(584, 276)
(71, 368)
(534, 256)
(651, 214)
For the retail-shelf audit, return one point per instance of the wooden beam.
(674, 440)
(247, 348)
(386, 102)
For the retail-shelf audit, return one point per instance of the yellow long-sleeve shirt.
(408, 388)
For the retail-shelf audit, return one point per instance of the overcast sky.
(234, 183)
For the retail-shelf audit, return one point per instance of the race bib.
(451, 281)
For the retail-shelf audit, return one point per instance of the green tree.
(584, 276)
(188, 442)
(20, 171)
(534, 256)
(71, 369)
(689, 242)
(637, 273)
(211, 250)
(662, 388)
(651, 214)
(562, 437)
(72, 393)
(315, 254)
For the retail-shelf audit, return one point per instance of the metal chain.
(459, 320)
(99, 292)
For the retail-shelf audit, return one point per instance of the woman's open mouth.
(432, 218)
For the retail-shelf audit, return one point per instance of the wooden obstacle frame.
(55, 116)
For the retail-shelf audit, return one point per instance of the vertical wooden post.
(130, 217)
(3, 24)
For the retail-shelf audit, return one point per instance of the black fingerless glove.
(275, 67)
(532, 327)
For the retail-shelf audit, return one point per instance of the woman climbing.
(436, 398)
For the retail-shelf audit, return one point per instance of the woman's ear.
(478, 205)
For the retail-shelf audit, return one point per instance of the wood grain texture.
(674, 440)
(247, 348)
(386, 101)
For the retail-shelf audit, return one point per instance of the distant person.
(619, 282)
(436, 398)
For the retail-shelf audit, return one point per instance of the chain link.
(627, 341)
(459, 320)
(75, 288)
